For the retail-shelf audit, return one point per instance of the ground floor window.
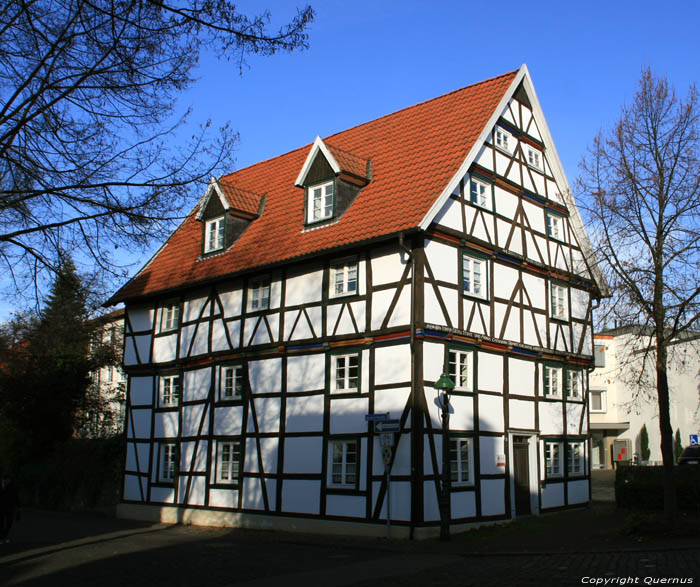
(229, 461)
(168, 460)
(574, 458)
(344, 463)
(460, 461)
(552, 459)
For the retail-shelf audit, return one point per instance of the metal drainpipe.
(409, 252)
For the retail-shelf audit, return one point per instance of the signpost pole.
(388, 500)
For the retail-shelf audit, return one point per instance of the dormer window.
(320, 202)
(214, 234)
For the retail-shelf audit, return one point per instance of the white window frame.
(457, 358)
(341, 274)
(558, 301)
(549, 374)
(603, 401)
(575, 458)
(504, 140)
(165, 383)
(555, 227)
(170, 316)
(259, 294)
(553, 462)
(480, 193)
(461, 462)
(534, 157)
(214, 231)
(343, 363)
(475, 283)
(168, 462)
(236, 372)
(319, 194)
(339, 473)
(228, 461)
(574, 382)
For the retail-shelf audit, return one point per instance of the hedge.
(640, 487)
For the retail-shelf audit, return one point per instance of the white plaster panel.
(137, 457)
(259, 333)
(552, 495)
(539, 182)
(489, 448)
(267, 411)
(231, 301)
(536, 290)
(433, 360)
(402, 459)
(130, 352)
(196, 384)
(223, 498)
(304, 285)
(431, 307)
(512, 331)
(228, 421)
(381, 301)
(315, 316)
(391, 400)
(344, 324)
(502, 164)
(200, 462)
(521, 414)
(251, 456)
(483, 228)
(388, 267)
(141, 391)
(573, 417)
(265, 375)
(198, 488)
(530, 330)
(400, 500)
(219, 341)
(234, 332)
(516, 243)
(192, 419)
(140, 318)
(303, 454)
(551, 418)
(163, 494)
(193, 308)
(431, 512)
(450, 297)
(443, 260)
(186, 334)
(269, 448)
(514, 173)
(521, 376)
(579, 303)
(332, 313)
(143, 345)
(252, 494)
(587, 343)
(201, 341)
(275, 291)
(579, 264)
(164, 348)
(506, 203)
(166, 424)
(346, 505)
(364, 370)
(393, 364)
(510, 111)
(503, 229)
(490, 413)
(141, 424)
(492, 497)
(461, 412)
(485, 157)
(348, 415)
(504, 280)
(534, 215)
(490, 372)
(306, 372)
(434, 407)
(300, 497)
(274, 322)
(304, 414)
(578, 491)
(131, 488)
(296, 326)
(531, 250)
(463, 504)
(541, 322)
(359, 310)
(450, 216)
(402, 311)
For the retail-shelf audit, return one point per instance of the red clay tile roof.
(415, 152)
(240, 199)
(349, 162)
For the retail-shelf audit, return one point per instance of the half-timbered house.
(342, 279)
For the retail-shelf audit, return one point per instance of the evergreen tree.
(677, 446)
(644, 441)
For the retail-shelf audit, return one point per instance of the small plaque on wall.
(500, 460)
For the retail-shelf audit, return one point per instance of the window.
(599, 355)
(459, 461)
(555, 226)
(346, 371)
(480, 193)
(559, 298)
(574, 385)
(169, 390)
(474, 276)
(344, 469)
(552, 459)
(168, 456)
(343, 281)
(460, 369)
(552, 381)
(229, 461)
(534, 157)
(598, 400)
(320, 202)
(170, 317)
(259, 294)
(214, 234)
(574, 458)
(504, 140)
(231, 383)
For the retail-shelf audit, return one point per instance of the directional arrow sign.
(389, 426)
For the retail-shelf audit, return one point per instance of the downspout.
(411, 257)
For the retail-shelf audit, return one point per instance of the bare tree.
(642, 186)
(91, 149)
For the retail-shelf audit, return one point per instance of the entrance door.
(521, 474)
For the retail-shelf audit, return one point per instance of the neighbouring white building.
(622, 395)
(342, 279)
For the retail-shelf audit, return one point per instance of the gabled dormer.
(332, 179)
(225, 212)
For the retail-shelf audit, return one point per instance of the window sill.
(476, 297)
(535, 167)
(345, 392)
(503, 150)
(560, 320)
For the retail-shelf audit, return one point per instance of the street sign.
(386, 439)
(694, 440)
(386, 455)
(376, 417)
(388, 426)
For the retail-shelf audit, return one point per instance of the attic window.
(504, 140)
(214, 234)
(319, 202)
(534, 158)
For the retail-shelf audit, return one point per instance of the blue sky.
(370, 58)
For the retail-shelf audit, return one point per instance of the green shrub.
(642, 488)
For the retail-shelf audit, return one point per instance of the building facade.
(342, 279)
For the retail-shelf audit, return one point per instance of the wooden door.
(521, 474)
